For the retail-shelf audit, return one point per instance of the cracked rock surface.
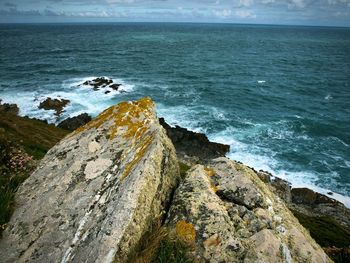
(227, 214)
(94, 194)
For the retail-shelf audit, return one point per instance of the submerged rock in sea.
(227, 214)
(75, 122)
(95, 193)
(54, 104)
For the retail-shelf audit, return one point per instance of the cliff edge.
(96, 194)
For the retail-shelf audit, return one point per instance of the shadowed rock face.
(9, 108)
(74, 123)
(229, 215)
(94, 194)
(194, 144)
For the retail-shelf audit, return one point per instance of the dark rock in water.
(102, 82)
(9, 108)
(98, 82)
(115, 86)
(194, 144)
(73, 123)
(107, 91)
(54, 104)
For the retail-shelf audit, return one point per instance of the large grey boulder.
(227, 214)
(95, 193)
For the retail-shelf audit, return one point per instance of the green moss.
(325, 230)
(172, 251)
(183, 169)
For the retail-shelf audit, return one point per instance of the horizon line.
(169, 22)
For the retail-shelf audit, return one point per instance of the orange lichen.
(130, 119)
(185, 231)
(209, 171)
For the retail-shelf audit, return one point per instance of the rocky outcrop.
(311, 203)
(95, 193)
(102, 83)
(9, 108)
(227, 214)
(54, 104)
(75, 122)
(193, 144)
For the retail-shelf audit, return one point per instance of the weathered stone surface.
(193, 144)
(95, 193)
(75, 122)
(236, 218)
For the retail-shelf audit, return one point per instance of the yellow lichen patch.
(140, 152)
(185, 231)
(130, 119)
(214, 187)
(209, 171)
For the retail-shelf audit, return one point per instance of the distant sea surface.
(279, 95)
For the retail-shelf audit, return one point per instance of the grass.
(35, 136)
(327, 233)
(159, 246)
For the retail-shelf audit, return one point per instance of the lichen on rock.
(95, 193)
(243, 221)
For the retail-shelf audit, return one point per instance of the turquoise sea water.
(280, 96)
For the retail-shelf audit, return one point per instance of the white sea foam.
(261, 81)
(251, 155)
(82, 99)
(328, 97)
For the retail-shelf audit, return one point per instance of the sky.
(284, 12)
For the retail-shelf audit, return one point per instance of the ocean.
(279, 95)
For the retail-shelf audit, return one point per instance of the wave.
(82, 98)
(265, 159)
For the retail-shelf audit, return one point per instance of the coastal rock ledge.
(95, 193)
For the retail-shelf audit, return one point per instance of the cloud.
(225, 13)
(245, 14)
(260, 11)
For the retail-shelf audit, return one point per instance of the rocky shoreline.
(196, 151)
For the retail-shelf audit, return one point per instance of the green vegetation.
(183, 169)
(35, 136)
(172, 251)
(15, 167)
(160, 246)
(325, 230)
(327, 233)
